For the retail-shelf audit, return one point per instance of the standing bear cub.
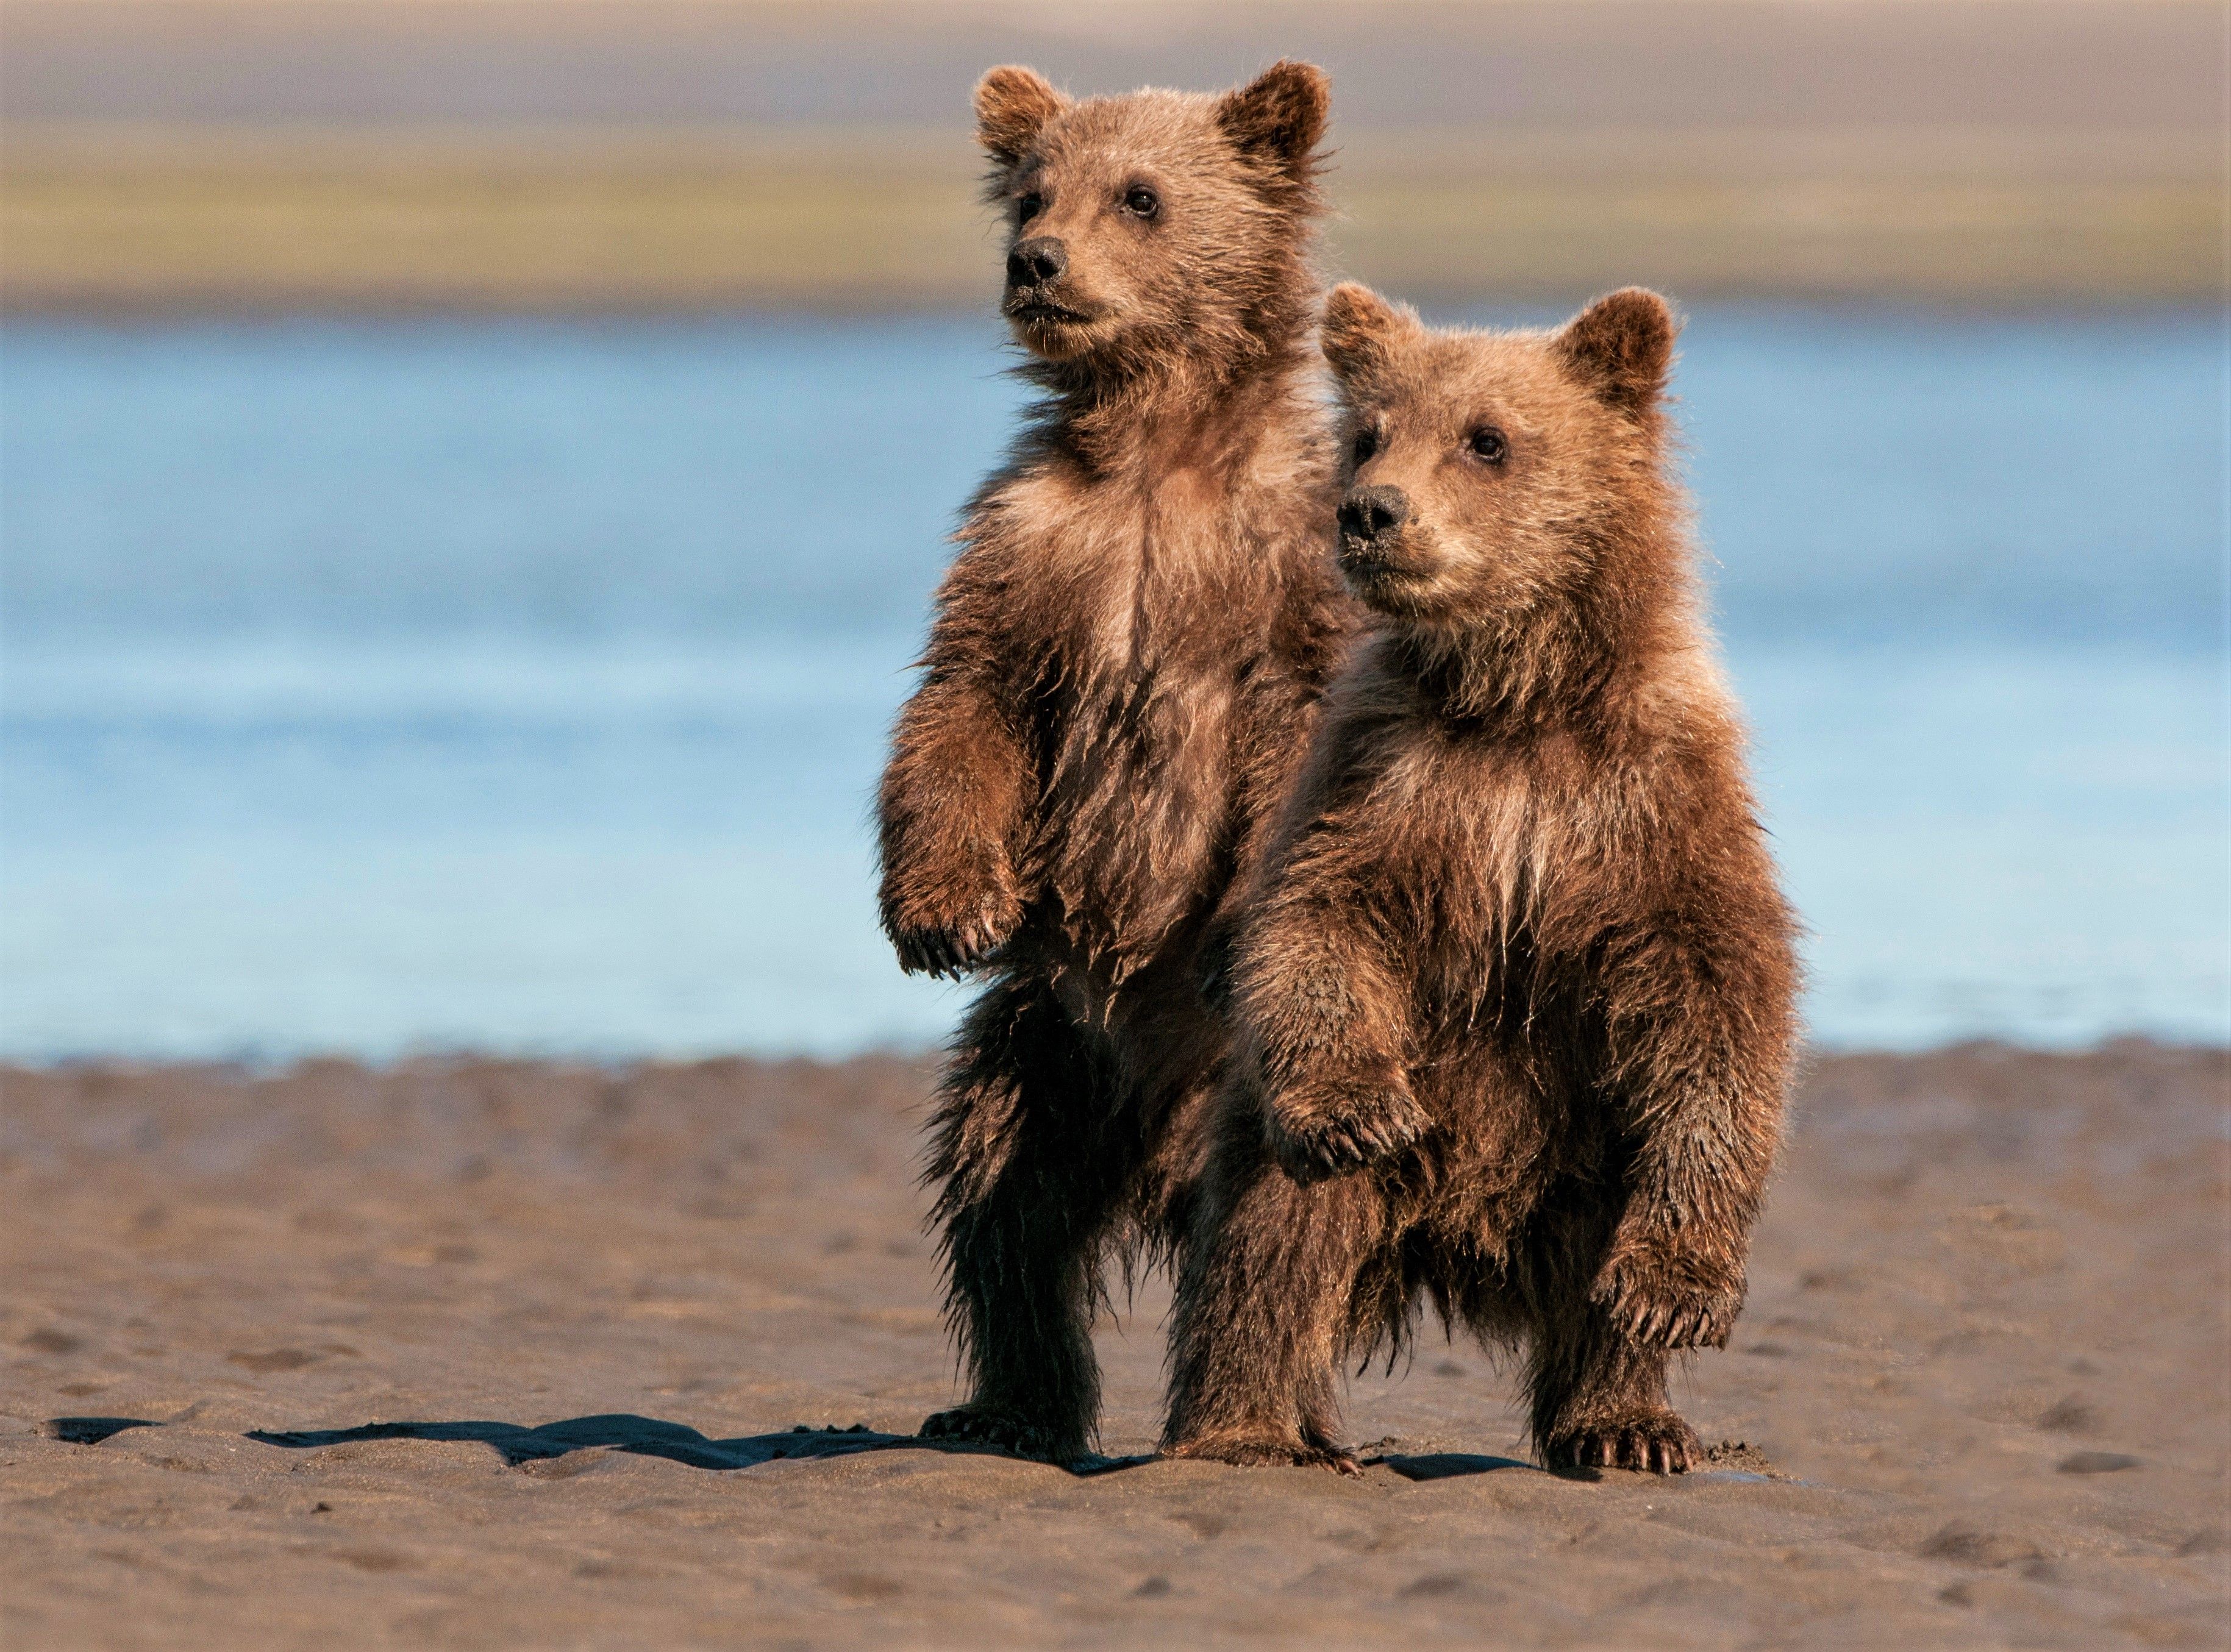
(1125, 655)
(1515, 976)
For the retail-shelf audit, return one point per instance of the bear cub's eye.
(1030, 206)
(1141, 202)
(1366, 443)
(1487, 444)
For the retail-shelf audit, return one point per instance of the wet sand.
(478, 1353)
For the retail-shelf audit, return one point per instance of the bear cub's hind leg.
(1029, 1174)
(1598, 1400)
(1262, 1319)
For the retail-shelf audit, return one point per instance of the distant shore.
(617, 156)
(123, 220)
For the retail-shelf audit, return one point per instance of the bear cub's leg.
(1599, 1397)
(1026, 1185)
(1264, 1314)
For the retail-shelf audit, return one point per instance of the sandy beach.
(471, 1353)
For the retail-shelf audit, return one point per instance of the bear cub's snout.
(1036, 263)
(1369, 514)
(1372, 541)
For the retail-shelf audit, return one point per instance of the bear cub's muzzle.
(1371, 524)
(1035, 267)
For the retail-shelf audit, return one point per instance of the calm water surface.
(522, 687)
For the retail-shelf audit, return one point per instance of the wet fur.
(1516, 979)
(1125, 657)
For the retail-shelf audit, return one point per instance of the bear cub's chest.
(1147, 604)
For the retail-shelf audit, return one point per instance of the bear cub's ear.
(1280, 114)
(1621, 346)
(1013, 107)
(1362, 329)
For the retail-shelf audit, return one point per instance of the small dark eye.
(1030, 206)
(1141, 202)
(1366, 443)
(1487, 444)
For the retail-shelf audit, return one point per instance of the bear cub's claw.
(947, 953)
(1653, 1442)
(950, 951)
(1665, 1304)
(982, 1425)
(1704, 1323)
(1350, 1135)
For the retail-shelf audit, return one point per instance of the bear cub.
(1515, 978)
(1127, 652)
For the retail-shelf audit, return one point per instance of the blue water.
(522, 687)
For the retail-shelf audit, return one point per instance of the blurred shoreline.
(180, 156)
(119, 221)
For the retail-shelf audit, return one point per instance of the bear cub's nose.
(1036, 262)
(1370, 513)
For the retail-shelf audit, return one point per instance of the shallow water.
(523, 685)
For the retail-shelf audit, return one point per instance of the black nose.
(1369, 512)
(1036, 262)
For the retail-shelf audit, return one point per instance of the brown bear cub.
(1515, 978)
(1124, 664)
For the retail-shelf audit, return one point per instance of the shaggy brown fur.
(1124, 661)
(1515, 976)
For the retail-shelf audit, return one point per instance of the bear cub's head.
(1492, 475)
(1155, 223)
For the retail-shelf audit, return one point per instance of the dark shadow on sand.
(647, 1437)
(1444, 1465)
(92, 1430)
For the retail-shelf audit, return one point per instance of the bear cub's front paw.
(949, 935)
(1664, 1300)
(947, 950)
(1336, 1135)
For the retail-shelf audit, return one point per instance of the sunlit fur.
(1516, 979)
(1124, 662)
